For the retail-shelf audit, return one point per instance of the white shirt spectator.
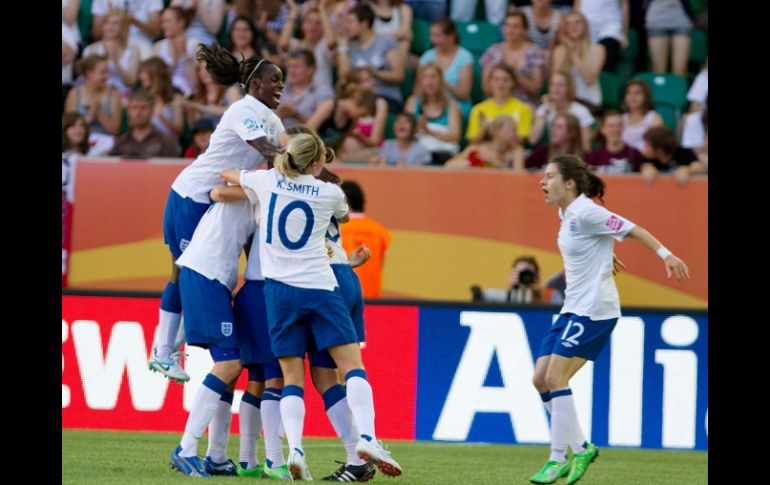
(700, 88)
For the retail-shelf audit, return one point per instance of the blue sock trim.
(227, 397)
(299, 451)
(561, 392)
(250, 398)
(271, 394)
(546, 396)
(333, 395)
(366, 437)
(356, 373)
(171, 299)
(292, 390)
(215, 384)
(269, 462)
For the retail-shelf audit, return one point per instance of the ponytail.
(586, 181)
(225, 69)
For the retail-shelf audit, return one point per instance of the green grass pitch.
(128, 458)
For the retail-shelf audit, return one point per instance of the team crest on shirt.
(614, 223)
(183, 244)
(573, 226)
(227, 328)
(250, 124)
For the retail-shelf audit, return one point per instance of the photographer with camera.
(524, 286)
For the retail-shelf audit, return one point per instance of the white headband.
(245, 85)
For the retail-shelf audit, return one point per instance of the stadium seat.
(669, 114)
(610, 86)
(699, 47)
(669, 89)
(420, 36)
(477, 93)
(631, 52)
(389, 126)
(477, 35)
(85, 21)
(406, 86)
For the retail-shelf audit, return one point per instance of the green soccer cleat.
(580, 462)
(550, 472)
(244, 472)
(281, 472)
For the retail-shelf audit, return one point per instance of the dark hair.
(305, 55)
(518, 14)
(646, 91)
(355, 195)
(88, 64)
(447, 27)
(661, 137)
(574, 168)
(363, 13)
(507, 69)
(141, 94)
(575, 144)
(67, 120)
(226, 70)
(185, 15)
(410, 117)
(257, 36)
(606, 114)
(527, 259)
(160, 74)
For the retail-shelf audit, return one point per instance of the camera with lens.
(526, 277)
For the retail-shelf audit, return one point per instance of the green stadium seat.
(85, 21)
(477, 35)
(631, 52)
(223, 36)
(420, 36)
(477, 93)
(610, 86)
(669, 114)
(699, 47)
(669, 89)
(389, 126)
(406, 86)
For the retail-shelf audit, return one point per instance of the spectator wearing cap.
(143, 140)
(202, 130)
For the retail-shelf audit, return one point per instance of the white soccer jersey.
(253, 263)
(218, 241)
(294, 217)
(246, 119)
(334, 238)
(586, 238)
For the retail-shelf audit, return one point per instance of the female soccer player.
(591, 305)
(246, 135)
(295, 210)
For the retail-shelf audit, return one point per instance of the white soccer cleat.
(171, 367)
(373, 452)
(298, 466)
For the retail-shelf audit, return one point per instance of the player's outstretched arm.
(267, 149)
(226, 193)
(674, 265)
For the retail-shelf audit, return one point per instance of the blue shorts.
(584, 338)
(350, 288)
(208, 314)
(180, 220)
(251, 321)
(294, 314)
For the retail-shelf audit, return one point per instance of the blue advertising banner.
(648, 388)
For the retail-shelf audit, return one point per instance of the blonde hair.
(124, 24)
(302, 150)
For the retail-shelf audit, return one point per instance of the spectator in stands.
(367, 49)
(155, 77)
(143, 140)
(247, 41)
(177, 50)
(439, 121)
(404, 149)
(70, 39)
(351, 104)
(428, 10)
(302, 101)
(667, 22)
(394, 18)
(575, 53)
(207, 17)
(699, 89)
(498, 147)
(561, 100)
(543, 22)
(524, 287)
(464, 10)
(695, 133)
(122, 58)
(360, 229)
(525, 58)
(98, 102)
(74, 134)
(368, 131)
(210, 99)
(336, 13)
(662, 155)
(608, 26)
(639, 115)
(502, 81)
(315, 33)
(565, 139)
(202, 130)
(270, 16)
(614, 156)
(456, 62)
(143, 16)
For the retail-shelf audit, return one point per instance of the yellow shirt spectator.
(520, 111)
